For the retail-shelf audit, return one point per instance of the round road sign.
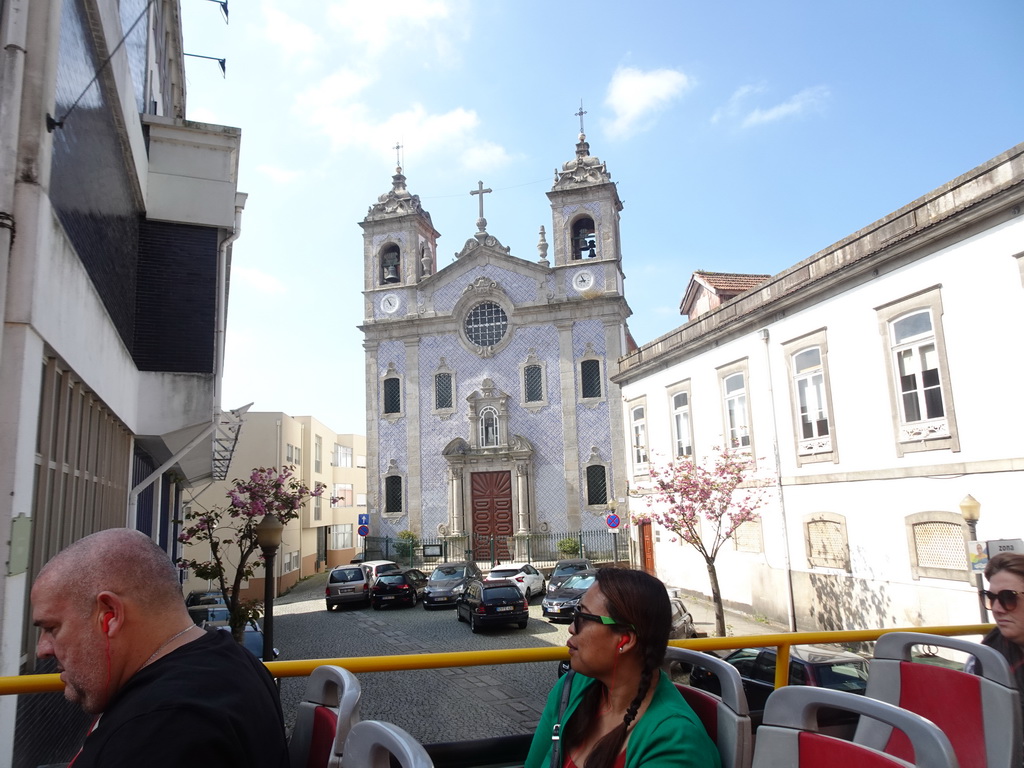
(612, 520)
(364, 530)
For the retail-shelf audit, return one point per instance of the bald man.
(165, 692)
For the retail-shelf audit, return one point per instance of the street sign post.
(363, 530)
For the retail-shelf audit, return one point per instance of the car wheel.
(522, 624)
(375, 606)
(458, 614)
(473, 624)
(529, 594)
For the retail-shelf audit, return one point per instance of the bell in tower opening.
(583, 239)
(389, 266)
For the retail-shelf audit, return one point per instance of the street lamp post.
(971, 510)
(268, 537)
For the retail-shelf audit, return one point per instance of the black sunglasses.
(1006, 597)
(578, 617)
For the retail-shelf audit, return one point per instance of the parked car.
(682, 622)
(529, 580)
(447, 582)
(808, 665)
(564, 569)
(558, 604)
(252, 639)
(207, 607)
(374, 568)
(489, 602)
(402, 587)
(347, 584)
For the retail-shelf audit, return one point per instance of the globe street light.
(971, 510)
(268, 537)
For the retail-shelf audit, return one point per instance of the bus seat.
(329, 709)
(726, 718)
(789, 734)
(372, 744)
(980, 713)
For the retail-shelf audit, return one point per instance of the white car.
(529, 580)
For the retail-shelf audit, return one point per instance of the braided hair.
(636, 598)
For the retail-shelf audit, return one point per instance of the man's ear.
(109, 613)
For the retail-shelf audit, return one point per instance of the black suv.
(447, 582)
(401, 587)
(492, 602)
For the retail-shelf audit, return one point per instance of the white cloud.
(634, 95)
(735, 104)
(807, 100)
(737, 109)
(485, 156)
(279, 175)
(390, 28)
(297, 41)
(257, 281)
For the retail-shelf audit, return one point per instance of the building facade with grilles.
(491, 415)
(866, 385)
(116, 221)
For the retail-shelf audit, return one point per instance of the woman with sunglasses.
(1005, 598)
(616, 708)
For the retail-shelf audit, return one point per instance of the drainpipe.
(222, 297)
(12, 82)
(790, 606)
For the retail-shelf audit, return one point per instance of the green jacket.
(669, 733)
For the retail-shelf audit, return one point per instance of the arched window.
(390, 261)
(489, 437)
(584, 239)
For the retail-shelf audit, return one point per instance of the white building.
(117, 218)
(872, 385)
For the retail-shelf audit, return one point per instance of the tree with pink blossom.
(231, 535)
(703, 505)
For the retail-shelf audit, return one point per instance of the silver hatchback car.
(347, 584)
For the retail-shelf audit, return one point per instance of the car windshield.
(447, 574)
(348, 574)
(503, 593)
(569, 568)
(843, 675)
(579, 582)
(392, 578)
(504, 573)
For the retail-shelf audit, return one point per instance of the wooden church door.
(492, 515)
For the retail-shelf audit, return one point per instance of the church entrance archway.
(491, 494)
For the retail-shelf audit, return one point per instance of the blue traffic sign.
(612, 520)
(364, 518)
(363, 530)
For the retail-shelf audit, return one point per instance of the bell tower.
(585, 210)
(399, 249)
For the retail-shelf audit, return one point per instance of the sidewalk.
(736, 623)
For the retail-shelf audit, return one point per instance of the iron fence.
(539, 549)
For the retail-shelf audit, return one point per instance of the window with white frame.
(318, 508)
(534, 384)
(590, 379)
(443, 394)
(291, 561)
(393, 495)
(807, 364)
(825, 538)
(343, 495)
(922, 401)
(638, 419)
(341, 536)
(937, 542)
(682, 436)
(318, 451)
(489, 437)
(360, 461)
(597, 485)
(342, 456)
(360, 499)
(293, 455)
(736, 406)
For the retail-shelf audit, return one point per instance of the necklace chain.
(167, 642)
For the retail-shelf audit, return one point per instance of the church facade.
(490, 413)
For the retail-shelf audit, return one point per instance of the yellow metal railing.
(781, 642)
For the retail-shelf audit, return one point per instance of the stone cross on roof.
(481, 223)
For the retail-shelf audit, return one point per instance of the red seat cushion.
(321, 744)
(705, 706)
(818, 751)
(951, 700)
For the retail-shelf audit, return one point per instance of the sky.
(743, 136)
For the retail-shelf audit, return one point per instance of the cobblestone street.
(435, 705)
